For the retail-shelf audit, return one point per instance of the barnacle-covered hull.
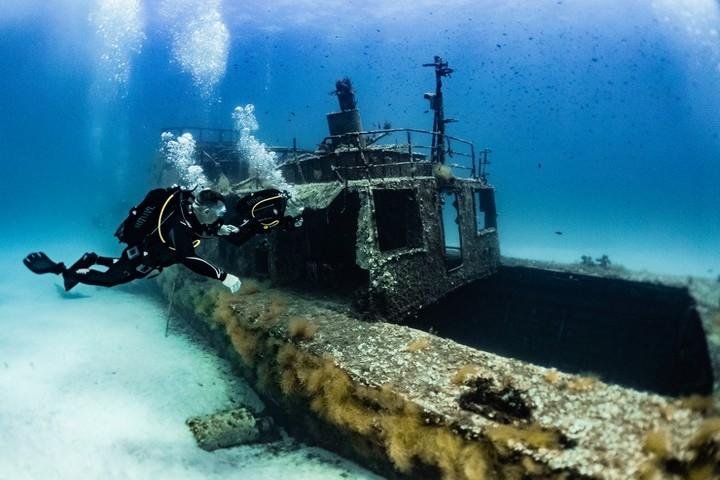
(414, 405)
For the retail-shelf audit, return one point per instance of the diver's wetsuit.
(180, 228)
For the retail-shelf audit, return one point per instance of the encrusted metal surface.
(606, 423)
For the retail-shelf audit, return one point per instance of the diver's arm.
(213, 228)
(203, 267)
(219, 228)
(181, 237)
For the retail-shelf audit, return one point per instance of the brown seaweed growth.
(333, 396)
(379, 412)
(271, 314)
(705, 449)
(552, 376)
(383, 398)
(278, 305)
(582, 383)
(699, 403)
(504, 404)
(708, 431)
(244, 340)
(650, 470)
(300, 328)
(288, 359)
(222, 307)
(657, 442)
(532, 436)
(702, 462)
(463, 374)
(667, 411)
(329, 390)
(411, 444)
(418, 344)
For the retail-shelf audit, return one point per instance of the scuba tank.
(258, 213)
(142, 219)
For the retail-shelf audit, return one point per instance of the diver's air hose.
(160, 222)
(270, 224)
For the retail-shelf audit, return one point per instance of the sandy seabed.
(91, 388)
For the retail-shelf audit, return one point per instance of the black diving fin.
(40, 263)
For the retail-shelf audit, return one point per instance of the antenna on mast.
(436, 104)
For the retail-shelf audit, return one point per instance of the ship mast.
(436, 104)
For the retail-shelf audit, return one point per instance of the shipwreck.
(388, 327)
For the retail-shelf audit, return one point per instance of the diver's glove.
(232, 282)
(227, 230)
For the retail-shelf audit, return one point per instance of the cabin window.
(452, 244)
(484, 205)
(397, 216)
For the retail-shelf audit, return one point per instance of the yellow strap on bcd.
(268, 224)
(161, 221)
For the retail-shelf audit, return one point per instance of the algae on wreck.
(398, 410)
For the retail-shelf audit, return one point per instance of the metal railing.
(459, 153)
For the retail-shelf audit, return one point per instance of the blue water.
(603, 118)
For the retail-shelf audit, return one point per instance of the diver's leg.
(91, 258)
(117, 273)
(86, 261)
(106, 261)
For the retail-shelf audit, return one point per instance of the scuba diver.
(164, 229)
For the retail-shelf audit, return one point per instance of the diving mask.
(208, 212)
